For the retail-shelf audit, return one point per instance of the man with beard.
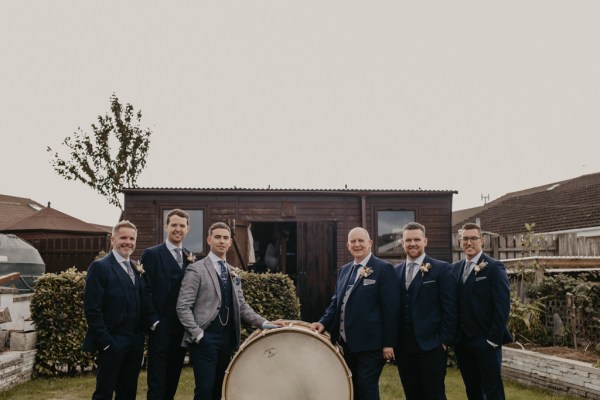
(427, 318)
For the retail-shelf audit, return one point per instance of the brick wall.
(553, 373)
(16, 367)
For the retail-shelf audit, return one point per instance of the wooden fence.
(60, 254)
(516, 246)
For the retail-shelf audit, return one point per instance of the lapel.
(402, 277)
(210, 269)
(186, 254)
(343, 282)
(470, 283)
(123, 277)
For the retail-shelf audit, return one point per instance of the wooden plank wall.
(60, 254)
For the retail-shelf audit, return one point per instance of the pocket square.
(480, 278)
(425, 283)
(369, 282)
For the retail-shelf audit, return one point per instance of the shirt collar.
(365, 260)
(418, 261)
(476, 258)
(171, 246)
(119, 258)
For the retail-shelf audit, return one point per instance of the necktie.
(353, 273)
(179, 258)
(223, 274)
(411, 273)
(467, 270)
(127, 265)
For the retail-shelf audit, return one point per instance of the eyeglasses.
(472, 239)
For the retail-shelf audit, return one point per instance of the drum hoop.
(291, 325)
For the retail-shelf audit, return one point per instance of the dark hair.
(470, 225)
(412, 226)
(123, 224)
(218, 225)
(180, 213)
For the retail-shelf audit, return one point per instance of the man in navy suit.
(483, 308)
(113, 303)
(427, 318)
(363, 315)
(165, 265)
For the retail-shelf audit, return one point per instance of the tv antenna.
(485, 198)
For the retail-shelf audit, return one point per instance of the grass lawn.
(82, 388)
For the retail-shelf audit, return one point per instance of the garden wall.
(560, 375)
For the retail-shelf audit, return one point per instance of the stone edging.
(557, 374)
(16, 367)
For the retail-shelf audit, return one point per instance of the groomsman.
(113, 306)
(483, 308)
(363, 315)
(427, 318)
(165, 265)
(211, 306)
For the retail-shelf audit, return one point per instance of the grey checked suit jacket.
(200, 298)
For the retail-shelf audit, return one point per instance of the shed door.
(316, 267)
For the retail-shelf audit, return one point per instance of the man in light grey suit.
(210, 306)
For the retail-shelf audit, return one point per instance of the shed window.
(194, 240)
(389, 230)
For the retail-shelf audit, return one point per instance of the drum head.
(287, 363)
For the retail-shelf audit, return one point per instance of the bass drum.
(288, 363)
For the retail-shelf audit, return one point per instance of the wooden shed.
(301, 233)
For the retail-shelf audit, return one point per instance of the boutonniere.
(365, 271)
(234, 272)
(191, 258)
(480, 267)
(424, 268)
(139, 267)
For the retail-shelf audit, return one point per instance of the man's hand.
(317, 326)
(388, 353)
(273, 324)
(444, 346)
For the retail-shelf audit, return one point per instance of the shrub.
(271, 295)
(57, 310)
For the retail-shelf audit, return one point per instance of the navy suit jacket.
(162, 280)
(433, 306)
(488, 299)
(108, 295)
(371, 314)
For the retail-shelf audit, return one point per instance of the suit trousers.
(210, 359)
(119, 368)
(366, 367)
(422, 374)
(165, 359)
(480, 366)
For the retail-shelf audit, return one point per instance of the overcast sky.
(478, 97)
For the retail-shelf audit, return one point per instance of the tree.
(94, 162)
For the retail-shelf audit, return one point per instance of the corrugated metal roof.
(269, 189)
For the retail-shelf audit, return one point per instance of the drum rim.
(291, 325)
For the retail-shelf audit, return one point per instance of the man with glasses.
(483, 308)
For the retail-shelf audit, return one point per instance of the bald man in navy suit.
(363, 315)
(483, 309)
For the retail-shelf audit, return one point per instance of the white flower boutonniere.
(424, 268)
(191, 258)
(138, 267)
(365, 271)
(235, 274)
(480, 267)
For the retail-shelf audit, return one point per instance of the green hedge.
(57, 310)
(271, 295)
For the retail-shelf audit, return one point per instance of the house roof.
(569, 204)
(14, 208)
(49, 219)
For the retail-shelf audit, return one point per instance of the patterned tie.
(411, 273)
(467, 270)
(223, 274)
(179, 258)
(127, 265)
(353, 273)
